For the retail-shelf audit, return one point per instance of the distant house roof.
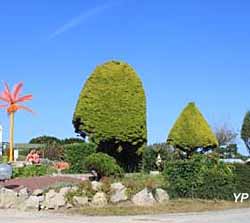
(233, 161)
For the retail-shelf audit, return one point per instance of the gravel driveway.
(235, 216)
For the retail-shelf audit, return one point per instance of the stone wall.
(54, 199)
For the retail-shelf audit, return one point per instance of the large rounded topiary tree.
(245, 131)
(111, 111)
(191, 132)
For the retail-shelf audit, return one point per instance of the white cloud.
(80, 19)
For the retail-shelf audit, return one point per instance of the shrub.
(4, 159)
(242, 172)
(71, 141)
(76, 154)
(111, 110)
(192, 132)
(52, 151)
(104, 165)
(200, 177)
(83, 189)
(150, 154)
(137, 182)
(32, 171)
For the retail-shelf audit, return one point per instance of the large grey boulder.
(119, 193)
(161, 196)
(8, 198)
(23, 194)
(32, 203)
(144, 198)
(49, 202)
(56, 200)
(80, 201)
(96, 186)
(99, 200)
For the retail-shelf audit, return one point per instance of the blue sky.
(183, 51)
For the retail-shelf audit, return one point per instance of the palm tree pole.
(12, 100)
(11, 136)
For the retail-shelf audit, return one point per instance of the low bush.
(32, 171)
(76, 154)
(242, 173)
(52, 151)
(137, 182)
(200, 177)
(4, 159)
(150, 154)
(104, 165)
(83, 189)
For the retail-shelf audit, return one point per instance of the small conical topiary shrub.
(191, 132)
(111, 111)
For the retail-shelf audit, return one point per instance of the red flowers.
(61, 165)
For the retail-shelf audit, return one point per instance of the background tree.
(45, 140)
(227, 147)
(111, 110)
(71, 141)
(225, 135)
(151, 152)
(191, 132)
(245, 131)
(13, 102)
(54, 140)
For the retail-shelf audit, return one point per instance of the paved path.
(234, 216)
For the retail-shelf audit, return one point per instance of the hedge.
(242, 172)
(200, 177)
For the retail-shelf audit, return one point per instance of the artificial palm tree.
(12, 100)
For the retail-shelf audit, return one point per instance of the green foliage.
(83, 189)
(245, 130)
(23, 152)
(58, 186)
(76, 154)
(200, 177)
(52, 148)
(150, 154)
(71, 141)
(137, 182)
(4, 159)
(191, 132)
(111, 110)
(52, 151)
(45, 140)
(48, 140)
(32, 171)
(242, 172)
(104, 165)
(228, 152)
